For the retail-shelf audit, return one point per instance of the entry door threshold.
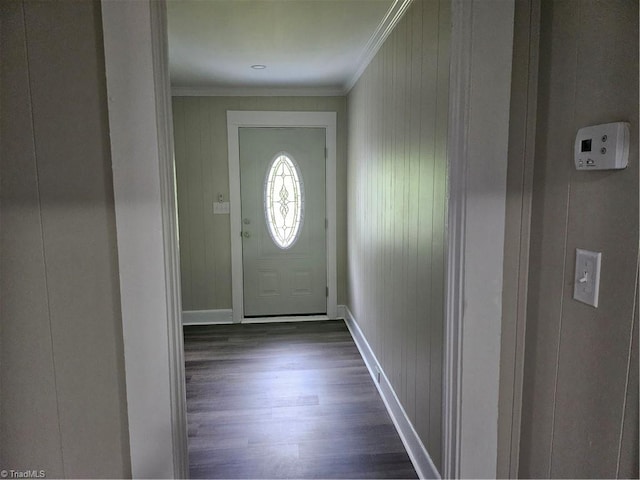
(292, 318)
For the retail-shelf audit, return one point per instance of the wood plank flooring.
(285, 400)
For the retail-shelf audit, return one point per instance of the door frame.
(522, 139)
(477, 154)
(139, 110)
(237, 119)
(141, 141)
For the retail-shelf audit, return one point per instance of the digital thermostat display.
(586, 146)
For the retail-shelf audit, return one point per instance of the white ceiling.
(305, 44)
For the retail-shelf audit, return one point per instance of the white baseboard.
(206, 317)
(418, 454)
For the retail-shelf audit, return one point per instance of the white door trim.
(459, 85)
(524, 107)
(479, 89)
(237, 119)
(140, 131)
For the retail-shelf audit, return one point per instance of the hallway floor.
(285, 400)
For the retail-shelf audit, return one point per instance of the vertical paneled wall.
(202, 171)
(580, 398)
(63, 403)
(398, 113)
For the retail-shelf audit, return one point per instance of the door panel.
(290, 280)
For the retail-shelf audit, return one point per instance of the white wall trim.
(384, 29)
(257, 92)
(207, 317)
(480, 83)
(237, 119)
(524, 106)
(169, 208)
(461, 36)
(139, 109)
(422, 462)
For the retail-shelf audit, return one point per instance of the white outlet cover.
(586, 287)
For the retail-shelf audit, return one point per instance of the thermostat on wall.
(602, 147)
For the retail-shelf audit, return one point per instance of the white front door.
(283, 198)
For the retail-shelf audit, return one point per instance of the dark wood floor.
(285, 400)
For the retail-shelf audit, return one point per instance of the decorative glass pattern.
(283, 201)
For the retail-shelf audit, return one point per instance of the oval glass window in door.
(283, 201)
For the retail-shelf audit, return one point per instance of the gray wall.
(62, 402)
(202, 171)
(580, 407)
(398, 113)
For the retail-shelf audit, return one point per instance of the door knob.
(246, 234)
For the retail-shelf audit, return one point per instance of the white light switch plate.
(586, 287)
(220, 208)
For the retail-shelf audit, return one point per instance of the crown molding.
(386, 26)
(256, 92)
